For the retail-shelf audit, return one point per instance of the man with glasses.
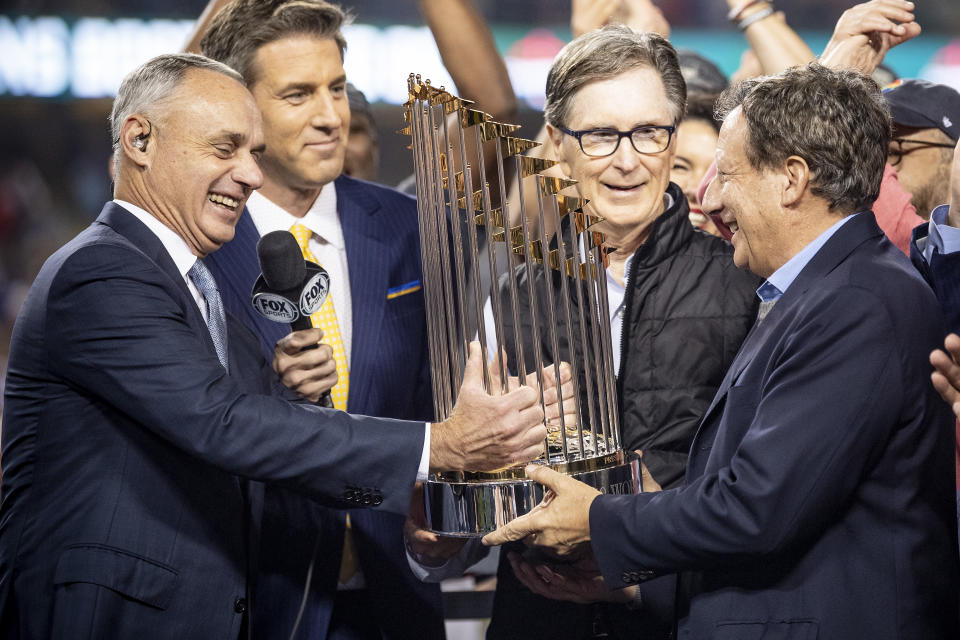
(926, 126)
(679, 308)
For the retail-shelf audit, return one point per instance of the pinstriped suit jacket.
(389, 377)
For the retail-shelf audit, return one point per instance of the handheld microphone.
(289, 289)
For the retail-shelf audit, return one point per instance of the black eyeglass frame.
(899, 153)
(578, 134)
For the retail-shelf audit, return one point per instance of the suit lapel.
(835, 251)
(368, 257)
(127, 225)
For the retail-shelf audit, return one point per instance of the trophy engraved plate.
(545, 272)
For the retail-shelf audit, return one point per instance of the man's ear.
(555, 151)
(796, 180)
(135, 139)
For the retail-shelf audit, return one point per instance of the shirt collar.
(667, 201)
(321, 218)
(176, 246)
(776, 285)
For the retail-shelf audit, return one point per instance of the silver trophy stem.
(462, 338)
(531, 296)
(491, 262)
(441, 265)
(568, 318)
(551, 316)
(591, 369)
(474, 258)
(422, 163)
(511, 283)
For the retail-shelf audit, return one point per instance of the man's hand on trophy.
(561, 522)
(425, 546)
(487, 432)
(578, 581)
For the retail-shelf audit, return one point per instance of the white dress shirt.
(328, 247)
(181, 254)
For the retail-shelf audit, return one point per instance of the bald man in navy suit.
(141, 421)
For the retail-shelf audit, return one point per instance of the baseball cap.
(358, 102)
(700, 74)
(924, 105)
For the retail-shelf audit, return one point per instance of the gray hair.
(243, 26)
(148, 86)
(607, 53)
(837, 121)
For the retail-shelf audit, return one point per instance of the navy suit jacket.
(943, 275)
(389, 376)
(819, 495)
(132, 461)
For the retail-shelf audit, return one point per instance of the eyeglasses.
(896, 154)
(600, 143)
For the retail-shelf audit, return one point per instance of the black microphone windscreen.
(281, 260)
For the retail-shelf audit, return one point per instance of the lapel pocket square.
(402, 290)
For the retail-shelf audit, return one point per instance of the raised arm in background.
(776, 45)
(470, 55)
(866, 32)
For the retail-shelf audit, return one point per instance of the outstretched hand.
(561, 522)
(866, 32)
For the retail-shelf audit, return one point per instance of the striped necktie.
(765, 307)
(216, 318)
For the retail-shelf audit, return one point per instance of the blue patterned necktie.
(216, 318)
(765, 307)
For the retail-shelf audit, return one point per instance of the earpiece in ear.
(140, 142)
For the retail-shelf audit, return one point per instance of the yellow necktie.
(326, 319)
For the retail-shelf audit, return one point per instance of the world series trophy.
(466, 242)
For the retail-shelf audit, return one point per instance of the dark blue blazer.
(943, 275)
(132, 462)
(819, 499)
(389, 376)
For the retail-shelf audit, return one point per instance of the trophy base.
(471, 504)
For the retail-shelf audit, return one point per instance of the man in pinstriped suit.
(366, 236)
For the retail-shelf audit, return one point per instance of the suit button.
(240, 605)
(625, 576)
(377, 500)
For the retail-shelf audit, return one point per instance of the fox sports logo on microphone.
(314, 293)
(274, 307)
